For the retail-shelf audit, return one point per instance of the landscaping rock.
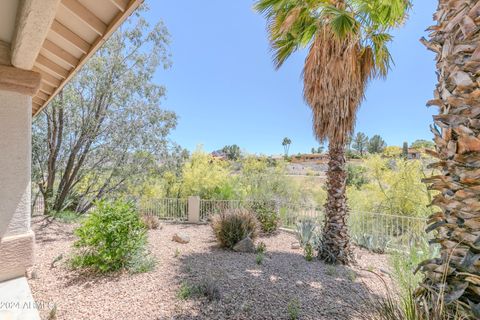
(181, 238)
(246, 245)
(295, 245)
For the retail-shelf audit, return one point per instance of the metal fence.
(211, 207)
(375, 231)
(38, 206)
(165, 209)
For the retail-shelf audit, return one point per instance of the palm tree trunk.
(455, 275)
(335, 246)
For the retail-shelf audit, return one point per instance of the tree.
(376, 144)
(106, 127)
(360, 143)
(422, 144)
(348, 46)
(392, 151)
(405, 150)
(455, 273)
(232, 152)
(286, 145)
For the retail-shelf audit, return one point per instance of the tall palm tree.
(455, 275)
(347, 42)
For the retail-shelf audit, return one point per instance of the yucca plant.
(347, 42)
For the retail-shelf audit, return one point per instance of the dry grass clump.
(408, 306)
(150, 221)
(232, 226)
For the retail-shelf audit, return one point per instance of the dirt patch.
(283, 284)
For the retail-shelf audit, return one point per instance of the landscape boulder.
(245, 245)
(181, 238)
(295, 245)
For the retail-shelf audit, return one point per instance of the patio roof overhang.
(54, 38)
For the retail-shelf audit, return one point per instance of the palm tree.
(286, 145)
(347, 42)
(455, 275)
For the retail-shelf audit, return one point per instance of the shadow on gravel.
(285, 285)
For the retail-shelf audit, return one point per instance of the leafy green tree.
(360, 143)
(286, 145)
(376, 144)
(207, 177)
(347, 42)
(106, 127)
(318, 149)
(420, 143)
(232, 152)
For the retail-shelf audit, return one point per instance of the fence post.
(194, 209)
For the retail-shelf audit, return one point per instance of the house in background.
(42, 44)
(414, 154)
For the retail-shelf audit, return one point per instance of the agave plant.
(305, 232)
(307, 237)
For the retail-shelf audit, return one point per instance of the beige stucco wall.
(16, 245)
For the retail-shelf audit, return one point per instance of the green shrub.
(356, 176)
(261, 247)
(113, 237)
(404, 264)
(66, 216)
(267, 216)
(185, 291)
(293, 309)
(207, 288)
(232, 226)
(259, 258)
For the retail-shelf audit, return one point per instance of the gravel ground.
(283, 283)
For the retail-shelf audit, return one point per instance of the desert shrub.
(185, 291)
(267, 216)
(406, 307)
(113, 237)
(393, 188)
(66, 216)
(150, 221)
(232, 226)
(207, 288)
(261, 247)
(259, 258)
(293, 309)
(356, 176)
(404, 264)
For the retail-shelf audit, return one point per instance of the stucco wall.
(15, 158)
(16, 244)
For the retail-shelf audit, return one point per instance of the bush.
(66, 216)
(113, 237)
(207, 288)
(267, 216)
(356, 176)
(150, 222)
(232, 226)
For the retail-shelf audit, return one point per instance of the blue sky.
(224, 88)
